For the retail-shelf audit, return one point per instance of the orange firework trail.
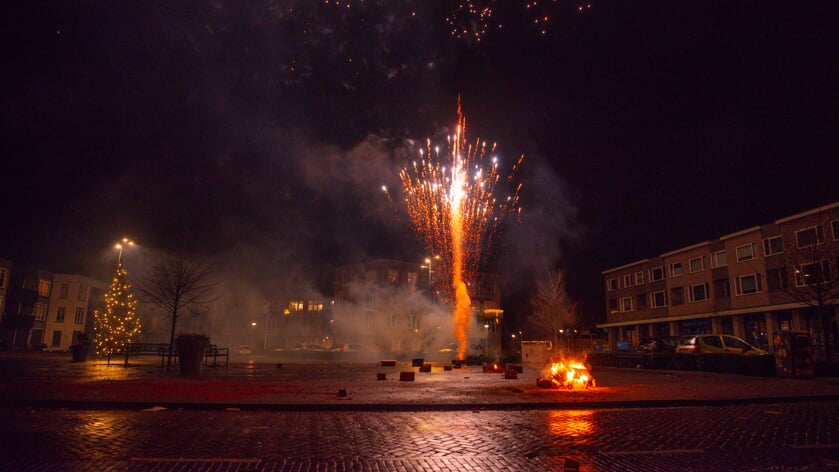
(451, 202)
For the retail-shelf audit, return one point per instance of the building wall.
(71, 303)
(744, 272)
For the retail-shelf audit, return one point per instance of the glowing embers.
(570, 374)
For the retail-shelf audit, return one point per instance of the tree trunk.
(172, 337)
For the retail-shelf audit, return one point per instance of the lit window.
(699, 292)
(773, 245)
(315, 306)
(745, 252)
(392, 276)
(296, 305)
(412, 278)
(748, 284)
(697, 264)
(44, 288)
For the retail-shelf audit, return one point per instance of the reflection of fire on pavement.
(566, 374)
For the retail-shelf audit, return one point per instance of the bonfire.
(568, 374)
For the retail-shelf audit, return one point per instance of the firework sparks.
(451, 202)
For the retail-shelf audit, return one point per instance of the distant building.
(46, 311)
(72, 302)
(745, 283)
(27, 300)
(391, 306)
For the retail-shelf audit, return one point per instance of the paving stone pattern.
(789, 436)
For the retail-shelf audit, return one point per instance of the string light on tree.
(118, 324)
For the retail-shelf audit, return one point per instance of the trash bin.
(793, 354)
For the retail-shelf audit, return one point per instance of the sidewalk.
(42, 380)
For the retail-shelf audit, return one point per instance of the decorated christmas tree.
(118, 324)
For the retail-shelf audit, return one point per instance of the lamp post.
(120, 246)
(428, 261)
(486, 341)
(253, 336)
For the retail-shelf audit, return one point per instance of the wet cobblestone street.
(795, 436)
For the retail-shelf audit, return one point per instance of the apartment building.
(72, 301)
(752, 283)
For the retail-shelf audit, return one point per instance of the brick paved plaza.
(258, 416)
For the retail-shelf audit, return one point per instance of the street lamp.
(253, 336)
(120, 245)
(428, 261)
(486, 341)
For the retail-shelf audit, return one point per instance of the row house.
(72, 301)
(45, 311)
(751, 284)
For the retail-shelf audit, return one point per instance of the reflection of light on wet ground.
(571, 423)
(99, 426)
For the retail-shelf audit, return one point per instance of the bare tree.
(175, 283)
(811, 255)
(553, 309)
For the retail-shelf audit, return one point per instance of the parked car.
(717, 344)
(351, 347)
(659, 344)
(310, 347)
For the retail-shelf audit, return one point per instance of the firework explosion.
(451, 203)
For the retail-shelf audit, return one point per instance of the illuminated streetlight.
(120, 245)
(428, 261)
(253, 336)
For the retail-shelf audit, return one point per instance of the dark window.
(776, 279)
(56, 338)
(810, 236)
(712, 341)
(722, 289)
(677, 295)
(734, 342)
(642, 301)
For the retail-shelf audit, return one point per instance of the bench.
(140, 349)
(162, 350)
(215, 352)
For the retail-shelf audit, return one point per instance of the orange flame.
(568, 374)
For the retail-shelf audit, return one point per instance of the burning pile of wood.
(566, 374)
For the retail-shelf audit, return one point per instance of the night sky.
(260, 133)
